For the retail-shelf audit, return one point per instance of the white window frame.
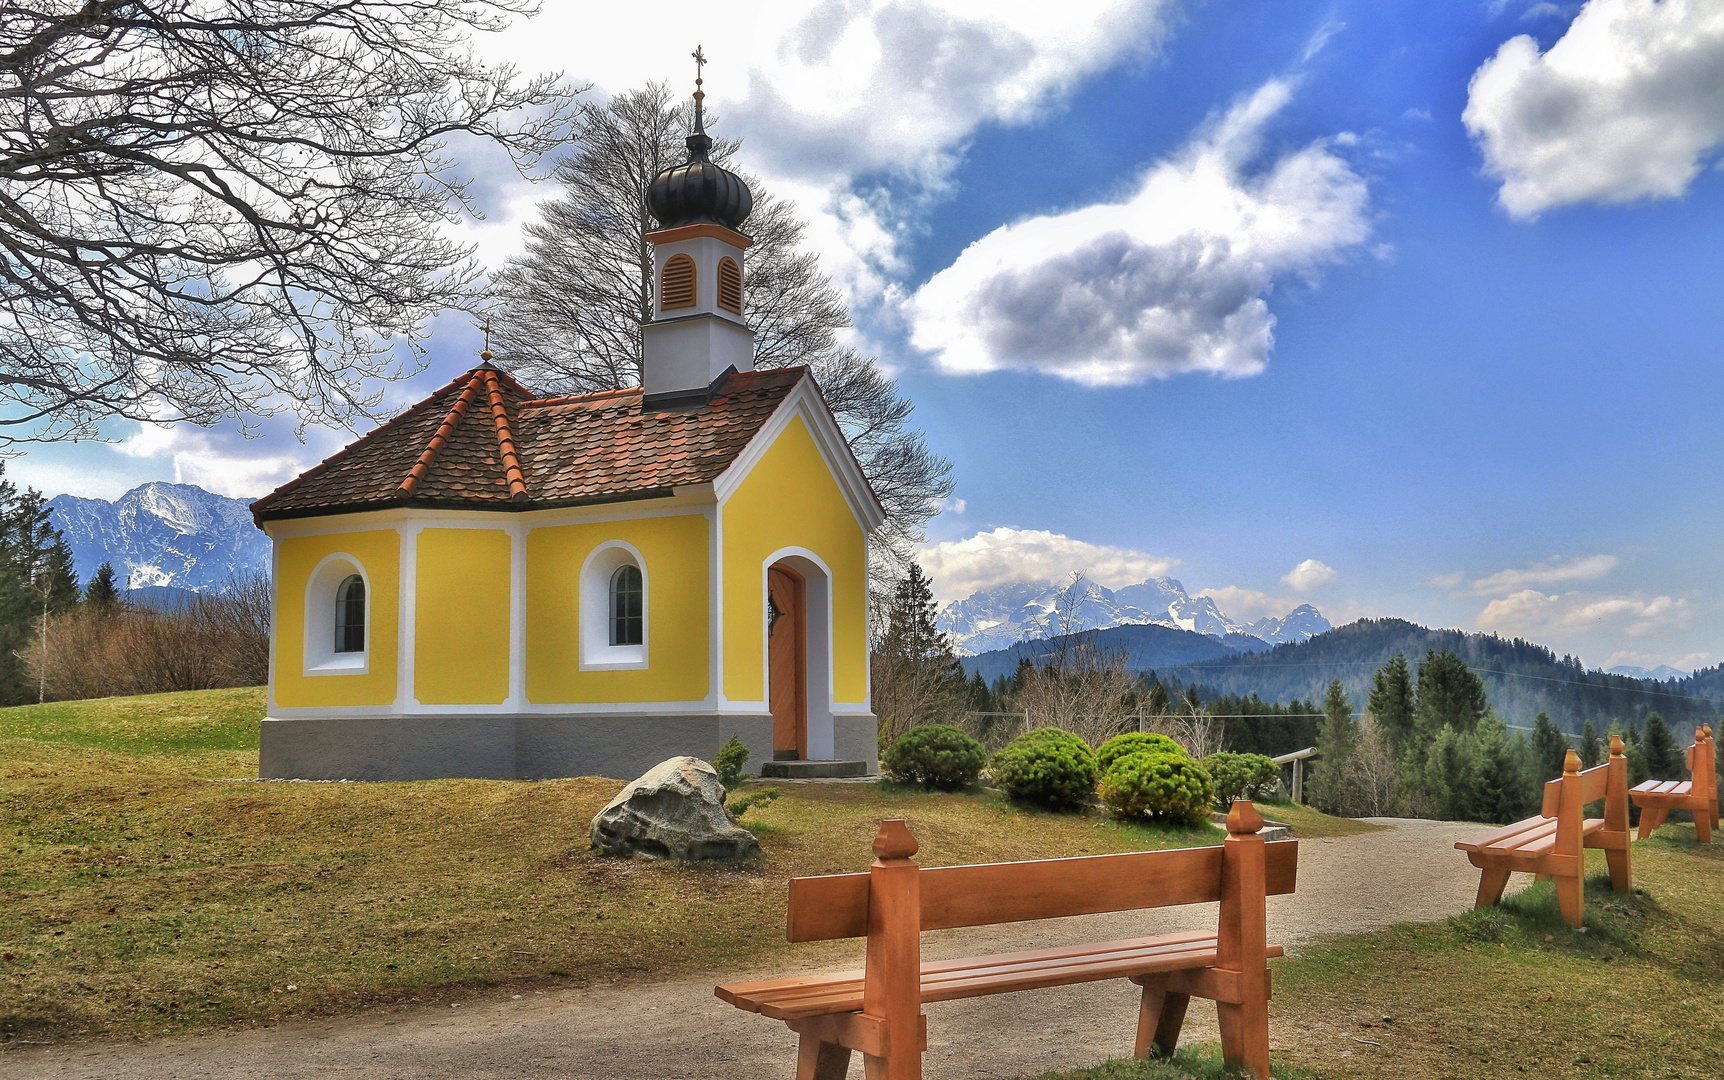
(320, 657)
(597, 652)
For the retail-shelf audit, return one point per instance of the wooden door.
(787, 663)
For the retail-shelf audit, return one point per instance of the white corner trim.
(804, 401)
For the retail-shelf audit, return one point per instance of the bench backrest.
(1565, 798)
(836, 905)
(1703, 763)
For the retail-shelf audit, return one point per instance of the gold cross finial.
(485, 354)
(699, 94)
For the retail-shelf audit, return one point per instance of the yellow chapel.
(498, 583)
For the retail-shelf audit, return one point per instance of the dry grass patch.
(1311, 823)
(147, 892)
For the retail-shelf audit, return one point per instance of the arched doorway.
(787, 661)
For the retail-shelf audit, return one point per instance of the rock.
(675, 811)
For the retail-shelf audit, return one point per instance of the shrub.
(1160, 786)
(1133, 742)
(1048, 767)
(937, 756)
(728, 762)
(1240, 776)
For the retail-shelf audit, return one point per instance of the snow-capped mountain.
(1001, 617)
(1661, 673)
(177, 535)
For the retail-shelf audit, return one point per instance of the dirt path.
(669, 1031)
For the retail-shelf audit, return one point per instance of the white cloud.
(223, 461)
(1628, 104)
(1529, 612)
(1171, 280)
(827, 92)
(1447, 581)
(1552, 571)
(961, 567)
(1309, 575)
(1248, 605)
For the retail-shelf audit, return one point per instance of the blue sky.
(1395, 308)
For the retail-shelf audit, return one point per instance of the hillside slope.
(1522, 678)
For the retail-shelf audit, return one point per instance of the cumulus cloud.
(1309, 575)
(223, 461)
(1529, 612)
(1174, 279)
(1003, 555)
(1248, 605)
(1628, 104)
(1552, 571)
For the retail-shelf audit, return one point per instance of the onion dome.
(699, 191)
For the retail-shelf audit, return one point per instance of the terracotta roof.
(484, 442)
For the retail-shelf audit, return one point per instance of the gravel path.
(669, 1031)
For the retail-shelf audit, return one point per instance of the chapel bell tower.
(697, 332)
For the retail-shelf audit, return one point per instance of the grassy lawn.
(1511, 991)
(148, 890)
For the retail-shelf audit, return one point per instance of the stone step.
(811, 770)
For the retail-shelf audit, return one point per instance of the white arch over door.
(817, 602)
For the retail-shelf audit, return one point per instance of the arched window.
(676, 287)
(350, 615)
(625, 606)
(729, 285)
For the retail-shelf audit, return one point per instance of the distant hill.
(1522, 678)
(1148, 646)
(177, 536)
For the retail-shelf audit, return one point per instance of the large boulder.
(675, 811)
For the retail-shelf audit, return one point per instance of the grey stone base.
(528, 747)
(812, 770)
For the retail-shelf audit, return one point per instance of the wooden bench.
(878, 1010)
(1551, 844)
(1656, 798)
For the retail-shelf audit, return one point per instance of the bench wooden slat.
(948, 980)
(1663, 787)
(836, 905)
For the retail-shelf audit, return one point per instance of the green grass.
(1190, 1063)
(147, 892)
(1313, 823)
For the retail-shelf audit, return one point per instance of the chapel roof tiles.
(484, 442)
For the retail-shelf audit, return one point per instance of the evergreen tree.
(1549, 749)
(917, 679)
(1336, 740)
(1663, 758)
(1448, 694)
(1504, 792)
(1156, 703)
(1591, 747)
(1637, 773)
(1391, 703)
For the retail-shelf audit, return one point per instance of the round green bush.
(1157, 786)
(1133, 742)
(1240, 776)
(1048, 767)
(937, 756)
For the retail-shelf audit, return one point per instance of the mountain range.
(1007, 615)
(168, 537)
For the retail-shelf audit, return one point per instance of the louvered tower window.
(676, 288)
(729, 285)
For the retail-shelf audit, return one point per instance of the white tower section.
(700, 334)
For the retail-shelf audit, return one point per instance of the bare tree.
(1373, 772)
(223, 208)
(573, 304)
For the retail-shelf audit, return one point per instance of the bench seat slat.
(1531, 838)
(946, 980)
(1663, 787)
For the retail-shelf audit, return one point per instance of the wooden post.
(1242, 943)
(1711, 766)
(1569, 840)
(1299, 781)
(1616, 817)
(1160, 1015)
(892, 985)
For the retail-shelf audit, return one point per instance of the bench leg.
(1159, 1019)
(818, 1060)
(1650, 819)
(1569, 897)
(1621, 877)
(1245, 1035)
(1703, 825)
(1491, 885)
